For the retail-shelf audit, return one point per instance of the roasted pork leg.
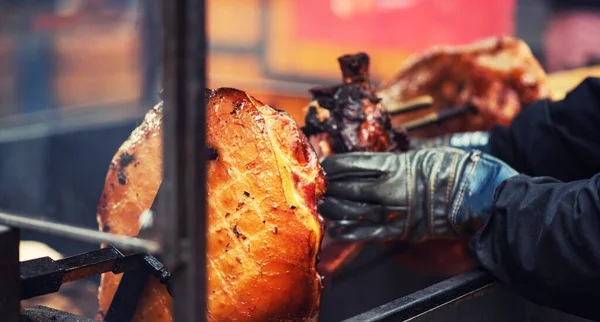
(264, 229)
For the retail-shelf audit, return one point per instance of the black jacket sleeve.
(556, 139)
(543, 240)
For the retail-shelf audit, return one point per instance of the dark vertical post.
(184, 183)
(10, 297)
(150, 53)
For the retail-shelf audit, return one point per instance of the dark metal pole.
(150, 55)
(9, 278)
(184, 181)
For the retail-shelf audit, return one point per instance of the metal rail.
(50, 122)
(476, 297)
(428, 299)
(81, 234)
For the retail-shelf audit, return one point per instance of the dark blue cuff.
(474, 198)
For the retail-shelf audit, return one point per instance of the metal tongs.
(44, 275)
(424, 102)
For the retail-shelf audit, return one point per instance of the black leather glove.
(465, 141)
(440, 193)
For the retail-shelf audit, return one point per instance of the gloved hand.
(465, 141)
(441, 193)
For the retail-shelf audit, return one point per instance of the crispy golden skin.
(132, 182)
(264, 229)
(496, 75)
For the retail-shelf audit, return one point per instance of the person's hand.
(441, 193)
(466, 141)
(571, 40)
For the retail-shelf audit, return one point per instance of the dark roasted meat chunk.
(349, 117)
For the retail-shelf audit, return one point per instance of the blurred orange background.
(275, 50)
(287, 46)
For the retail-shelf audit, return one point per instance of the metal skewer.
(87, 235)
(413, 105)
(81, 234)
(437, 117)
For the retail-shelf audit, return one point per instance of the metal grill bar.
(430, 298)
(184, 181)
(81, 234)
(437, 117)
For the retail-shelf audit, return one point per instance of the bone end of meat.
(264, 228)
(355, 68)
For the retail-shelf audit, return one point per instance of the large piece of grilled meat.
(264, 229)
(496, 75)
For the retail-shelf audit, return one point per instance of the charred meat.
(350, 117)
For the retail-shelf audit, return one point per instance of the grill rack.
(44, 275)
(470, 297)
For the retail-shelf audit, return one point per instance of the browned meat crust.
(265, 231)
(497, 75)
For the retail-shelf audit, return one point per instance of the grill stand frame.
(10, 301)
